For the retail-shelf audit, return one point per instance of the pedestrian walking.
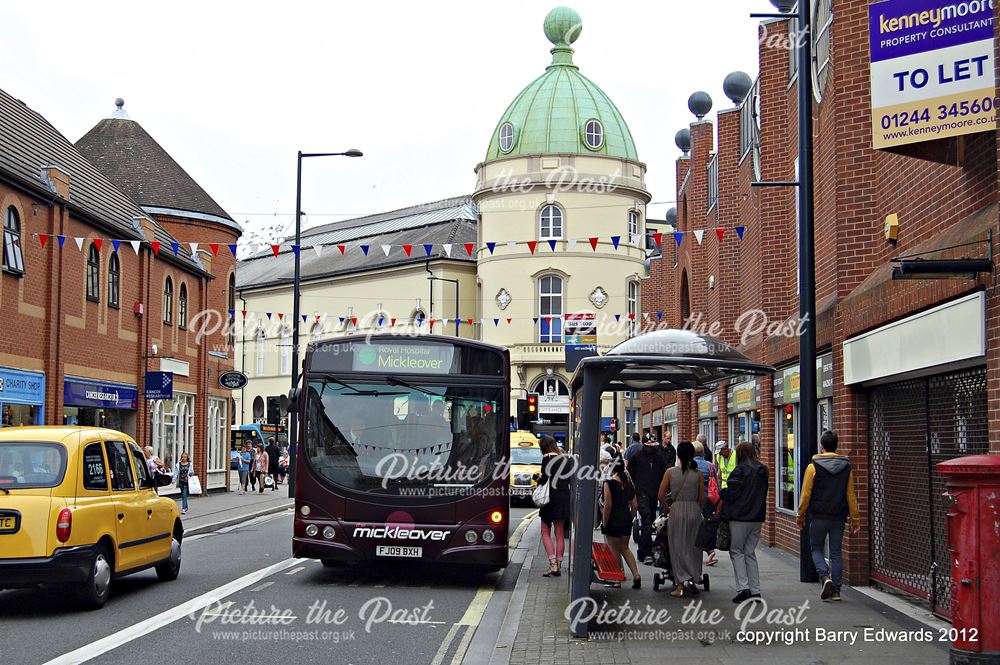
(709, 471)
(744, 504)
(682, 495)
(633, 447)
(182, 471)
(667, 450)
(646, 469)
(556, 472)
(725, 459)
(828, 499)
(619, 510)
(273, 453)
(706, 452)
(153, 463)
(260, 465)
(244, 461)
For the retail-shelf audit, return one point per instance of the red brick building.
(908, 370)
(86, 298)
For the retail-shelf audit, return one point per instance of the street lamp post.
(297, 251)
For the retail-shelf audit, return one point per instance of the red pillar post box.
(974, 547)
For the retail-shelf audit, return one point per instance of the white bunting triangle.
(319, 250)
(386, 249)
(445, 322)
(447, 248)
(135, 246)
(512, 245)
(194, 248)
(699, 234)
(571, 244)
(79, 243)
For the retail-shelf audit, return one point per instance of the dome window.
(506, 137)
(593, 134)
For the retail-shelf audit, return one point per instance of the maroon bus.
(403, 451)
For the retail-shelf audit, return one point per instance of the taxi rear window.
(30, 464)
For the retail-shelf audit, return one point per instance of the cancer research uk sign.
(932, 72)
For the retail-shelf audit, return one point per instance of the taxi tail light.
(64, 525)
(496, 517)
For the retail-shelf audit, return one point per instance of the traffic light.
(273, 410)
(533, 405)
(522, 414)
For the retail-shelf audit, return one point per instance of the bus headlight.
(312, 530)
(471, 536)
(489, 536)
(328, 532)
(496, 517)
(305, 510)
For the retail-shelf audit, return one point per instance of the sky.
(232, 90)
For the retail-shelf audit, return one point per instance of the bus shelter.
(662, 360)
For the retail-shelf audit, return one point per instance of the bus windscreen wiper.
(396, 381)
(364, 393)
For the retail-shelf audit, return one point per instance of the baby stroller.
(661, 556)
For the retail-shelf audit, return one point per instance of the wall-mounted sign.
(786, 382)
(233, 380)
(98, 394)
(159, 385)
(708, 406)
(932, 72)
(743, 397)
(670, 413)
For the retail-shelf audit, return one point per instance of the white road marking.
(135, 631)
(262, 586)
(295, 570)
(445, 645)
(463, 646)
(415, 623)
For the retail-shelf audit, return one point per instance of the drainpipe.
(243, 360)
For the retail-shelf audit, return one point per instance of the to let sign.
(932, 72)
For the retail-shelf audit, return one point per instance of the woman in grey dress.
(685, 484)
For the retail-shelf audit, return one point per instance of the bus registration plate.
(394, 550)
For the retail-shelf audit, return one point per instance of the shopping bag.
(194, 485)
(707, 533)
(540, 495)
(268, 482)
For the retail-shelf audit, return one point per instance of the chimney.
(57, 180)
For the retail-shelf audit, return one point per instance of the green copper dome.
(562, 110)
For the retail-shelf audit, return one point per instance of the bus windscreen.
(397, 436)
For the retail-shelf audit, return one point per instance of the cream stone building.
(557, 219)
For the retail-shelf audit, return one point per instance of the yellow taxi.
(525, 462)
(78, 506)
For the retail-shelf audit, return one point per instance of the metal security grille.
(915, 425)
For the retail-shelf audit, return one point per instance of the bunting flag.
(98, 243)
(658, 239)
(135, 246)
(268, 316)
(305, 317)
(232, 249)
(535, 319)
(319, 251)
(678, 237)
(281, 316)
(61, 240)
(469, 247)
(342, 319)
(659, 316)
(364, 248)
(618, 317)
(571, 245)
(496, 323)
(407, 249)
(491, 246)
(509, 320)
(176, 247)
(699, 234)
(244, 313)
(552, 245)
(156, 247)
(740, 230)
(469, 321)
(392, 322)
(532, 244)
(615, 240)
(386, 249)
(511, 245)
(447, 249)
(115, 244)
(42, 238)
(342, 249)
(720, 232)
(593, 243)
(295, 250)
(428, 248)
(79, 243)
(214, 246)
(194, 248)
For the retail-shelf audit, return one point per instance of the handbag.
(713, 485)
(708, 533)
(268, 481)
(540, 495)
(194, 485)
(723, 537)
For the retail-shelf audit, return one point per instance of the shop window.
(95, 475)
(182, 307)
(114, 281)
(93, 274)
(550, 223)
(121, 474)
(173, 428)
(786, 421)
(217, 434)
(168, 301)
(13, 257)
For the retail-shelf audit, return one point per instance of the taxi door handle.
(121, 516)
(149, 513)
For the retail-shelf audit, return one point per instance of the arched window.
(13, 258)
(593, 134)
(286, 351)
(550, 223)
(552, 387)
(258, 407)
(633, 227)
(182, 307)
(550, 309)
(93, 274)
(114, 281)
(506, 137)
(261, 343)
(168, 301)
(633, 306)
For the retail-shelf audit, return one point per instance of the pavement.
(707, 628)
(218, 509)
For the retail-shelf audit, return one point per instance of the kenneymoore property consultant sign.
(932, 71)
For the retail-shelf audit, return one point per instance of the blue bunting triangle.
(364, 248)
(175, 246)
(304, 318)
(740, 231)
(268, 316)
(678, 237)
(342, 319)
(615, 240)
(380, 321)
(295, 250)
(428, 248)
(535, 319)
(232, 313)
(659, 316)
(618, 317)
(491, 246)
(232, 248)
(552, 245)
(496, 322)
(61, 240)
(116, 244)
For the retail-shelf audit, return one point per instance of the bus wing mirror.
(290, 403)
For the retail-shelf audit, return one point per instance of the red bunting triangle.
(392, 322)
(98, 242)
(469, 247)
(720, 232)
(354, 320)
(275, 249)
(42, 238)
(532, 244)
(341, 248)
(509, 320)
(658, 237)
(432, 323)
(593, 244)
(156, 246)
(469, 321)
(281, 316)
(244, 313)
(407, 249)
(214, 246)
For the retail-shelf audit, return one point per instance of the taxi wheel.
(95, 591)
(171, 568)
(330, 563)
